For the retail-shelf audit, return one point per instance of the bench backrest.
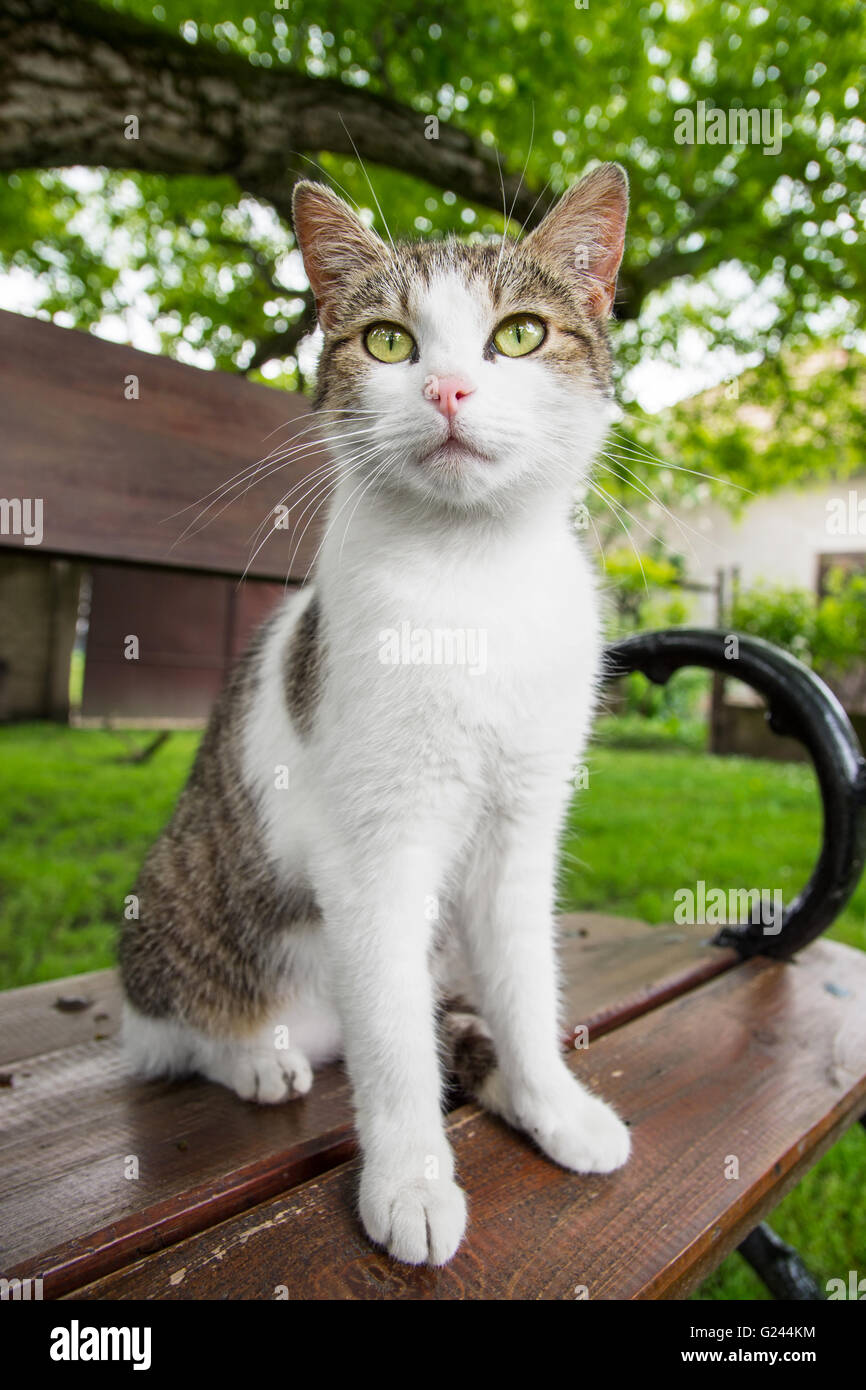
(110, 449)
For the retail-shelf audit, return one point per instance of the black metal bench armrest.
(800, 706)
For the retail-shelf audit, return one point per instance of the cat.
(363, 861)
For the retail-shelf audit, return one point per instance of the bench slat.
(39, 1019)
(766, 1064)
(67, 1211)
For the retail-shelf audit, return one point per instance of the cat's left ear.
(336, 246)
(584, 234)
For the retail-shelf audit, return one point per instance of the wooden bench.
(737, 1059)
(707, 1057)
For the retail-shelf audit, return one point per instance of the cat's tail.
(470, 1058)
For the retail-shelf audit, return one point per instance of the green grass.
(636, 731)
(650, 822)
(75, 822)
(76, 679)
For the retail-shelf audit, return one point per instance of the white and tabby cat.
(412, 859)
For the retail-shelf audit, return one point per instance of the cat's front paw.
(575, 1129)
(419, 1220)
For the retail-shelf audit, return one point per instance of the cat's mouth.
(454, 450)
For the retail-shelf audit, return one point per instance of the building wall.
(776, 539)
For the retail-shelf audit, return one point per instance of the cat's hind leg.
(258, 1069)
(470, 1056)
(270, 1065)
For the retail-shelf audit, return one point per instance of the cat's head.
(467, 373)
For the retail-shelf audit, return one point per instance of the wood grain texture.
(190, 628)
(32, 1023)
(115, 475)
(766, 1064)
(69, 1128)
(72, 1116)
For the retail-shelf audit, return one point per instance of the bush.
(644, 597)
(828, 633)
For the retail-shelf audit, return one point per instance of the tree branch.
(71, 73)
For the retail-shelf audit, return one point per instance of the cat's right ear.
(334, 243)
(584, 234)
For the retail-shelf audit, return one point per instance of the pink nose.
(446, 393)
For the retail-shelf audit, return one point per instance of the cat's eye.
(388, 342)
(520, 334)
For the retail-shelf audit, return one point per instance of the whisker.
(650, 495)
(268, 532)
(288, 499)
(311, 424)
(504, 220)
(608, 501)
(377, 473)
(535, 204)
(319, 488)
(597, 537)
(636, 519)
(264, 469)
(681, 525)
(522, 176)
(321, 494)
(314, 506)
(331, 524)
(337, 410)
(676, 467)
(369, 183)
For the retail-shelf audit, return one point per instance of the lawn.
(76, 818)
(75, 821)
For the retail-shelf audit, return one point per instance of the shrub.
(828, 633)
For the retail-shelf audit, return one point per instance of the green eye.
(388, 342)
(519, 335)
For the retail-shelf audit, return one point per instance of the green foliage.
(671, 709)
(785, 617)
(839, 640)
(552, 88)
(828, 633)
(799, 417)
(207, 267)
(642, 594)
(641, 589)
(672, 732)
(634, 572)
